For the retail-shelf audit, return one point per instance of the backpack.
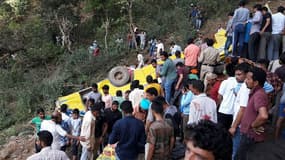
(174, 122)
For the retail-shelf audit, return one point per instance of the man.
(191, 53)
(45, 140)
(209, 58)
(65, 124)
(278, 26)
(201, 107)
(151, 83)
(94, 94)
(157, 68)
(229, 33)
(159, 48)
(151, 94)
(107, 98)
(254, 38)
(160, 136)
(140, 60)
(182, 74)
(265, 33)
(87, 130)
(119, 97)
(241, 16)
(174, 48)
(169, 72)
(178, 58)
(136, 94)
(207, 140)
(255, 115)
(54, 127)
(227, 95)
(129, 134)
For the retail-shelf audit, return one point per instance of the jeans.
(274, 46)
(239, 32)
(236, 143)
(228, 43)
(168, 89)
(263, 45)
(253, 46)
(245, 144)
(85, 154)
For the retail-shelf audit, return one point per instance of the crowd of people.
(220, 108)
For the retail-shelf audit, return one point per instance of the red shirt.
(214, 90)
(257, 99)
(191, 53)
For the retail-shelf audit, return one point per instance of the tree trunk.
(130, 5)
(106, 25)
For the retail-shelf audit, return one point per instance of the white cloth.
(96, 96)
(227, 92)
(55, 130)
(278, 23)
(140, 61)
(136, 96)
(47, 153)
(175, 48)
(159, 47)
(75, 126)
(87, 129)
(108, 100)
(241, 99)
(202, 107)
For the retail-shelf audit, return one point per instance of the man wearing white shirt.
(278, 25)
(201, 107)
(159, 48)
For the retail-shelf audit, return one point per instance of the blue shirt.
(129, 132)
(247, 31)
(185, 102)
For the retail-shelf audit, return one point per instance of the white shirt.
(75, 126)
(159, 47)
(55, 130)
(87, 129)
(175, 48)
(136, 96)
(278, 23)
(227, 91)
(241, 99)
(49, 154)
(202, 107)
(96, 96)
(108, 100)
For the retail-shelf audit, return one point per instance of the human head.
(190, 40)
(157, 108)
(45, 138)
(255, 77)
(63, 108)
(281, 9)
(230, 14)
(154, 63)
(264, 10)
(41, 113)
(241, 71)
(119, 93)
(105, 89)
(163, 55)
(210, 42)
(149, 79)
(95, 110)
(151, 93)
(207, 140)
(257, 7)
(179, 65)
(242, 3)
(127, 107)
(230, 70)
(177, 54)
(91, 101)
(94, 87)
(211, 78)
(161, 100)
(282, 59)
(172, 43)
(56, 117)
(115, 105)
(197, 87)
(75, 113)
(126, 95)
(263, 64)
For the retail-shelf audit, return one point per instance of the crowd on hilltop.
(219, 108)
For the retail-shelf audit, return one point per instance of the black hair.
(105, 87)
(115, 102)
(199, 85)
(155, 81)
(91, 100)
(96, 107)
(281, 9)
(265, 9)
(230, 69)
(212, 137)
(152, 91)
(119, 93)
(165, 54)
(75, 111)
(179, 64)
(83, 82)
(157, 107)
(242, 3)
(231, 13)
(160, 99)
(149, 79)
(127, 107)
(258, 7)
(264, 62)
(153, 61)
(210, 42)
(244, 67)
(63, 108)
(259, 75)
(94, 85)
(178, 54)
(282, 58)
(141, 87)
(172, 43)
(190, 40)
(40, 110)
(46, 137)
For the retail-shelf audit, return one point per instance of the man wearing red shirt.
(191, 53)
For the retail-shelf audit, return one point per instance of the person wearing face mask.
(53, 126)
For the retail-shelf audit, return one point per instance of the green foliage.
(19, 6)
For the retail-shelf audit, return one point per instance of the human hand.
(232, 131)
(258, 130)
(82, 138)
